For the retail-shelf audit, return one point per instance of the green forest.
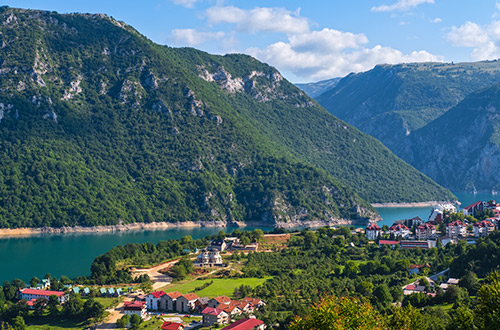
(101, 126)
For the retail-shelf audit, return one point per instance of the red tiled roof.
(253, 301)
(190, 296)
(484, 223)
(212, 311)
(244, 324)
(135, 305)
(410, 287)
(174, 295)
(157, 294)
(426, 226)
(373, 227)
(171, 326)
(398, 226)
(30, 302)
(42, 292)
(457, 223)
(223, 299)
(386, 242)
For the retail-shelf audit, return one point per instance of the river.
(72, 254)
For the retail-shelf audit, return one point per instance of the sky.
(310, 40)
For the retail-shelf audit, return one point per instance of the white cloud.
(330, 53)
(185, 3)
(497, 5)
(259, 19)
(192, 37)
(436, 20)
(401, 5)
(485, 40)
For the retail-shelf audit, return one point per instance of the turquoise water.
(71, 255)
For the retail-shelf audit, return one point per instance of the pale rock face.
(222, 78)
(73, 90)
(51, 115)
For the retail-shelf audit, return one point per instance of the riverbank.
(26, 232)
(20, 232)
(418, 204)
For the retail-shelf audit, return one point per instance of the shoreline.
(416, 204)
(27, 232)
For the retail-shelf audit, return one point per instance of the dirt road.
(158, 279)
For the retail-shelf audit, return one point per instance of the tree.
(350, 269)
(18, 323)
(74, 306)
(406, 318)
(40, 305)
(135, 320)
(462, 319)
(470, 282)
(487, 311)
(382, 295)
(34, 281)
(336, 313)
(245, 240)
(364, 288)
(93, 309)
(258, 234)
(123, 321)
(53, 305)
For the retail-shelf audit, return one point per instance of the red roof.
(171, 326)
(244, 324)
(30, 302)
(410, 287)
(457, 223)
(426, 226)
(472, 205)
(373, 227)
(398, 226)
(386, 242)
(253, 301)
(158, 294)
(223, 299)
(42, 292)
(134, 305)
(484, 223)
(212, 311)
(174, 295)
(190, 296)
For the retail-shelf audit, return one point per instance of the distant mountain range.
(99, 125)
(407, 107)
(317, 88)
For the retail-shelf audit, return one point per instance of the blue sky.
(313, 40)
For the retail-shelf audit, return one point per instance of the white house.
(399, 230)
(154, 300)
(214, 315)
(186, 303)
(373, 231)
(456, 228)
(483, 228)
(209, 258)
(28, 294)
(135, 307)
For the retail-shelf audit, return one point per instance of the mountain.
(315, 89)
(389, 102)
(99, 125)
(461, 149)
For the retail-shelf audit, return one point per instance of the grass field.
(220, 287)
(48, 323)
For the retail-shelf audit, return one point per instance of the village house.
(425, 231)
(28, 294)
(413, 222)
(201, 303)
(436, 217)
(167, 325)
(413, 288)
(218, 244)
(209, 258)
(154, 300)
(232, 309)
(246, 324)
(483, 228)
(399, 230)
(456, 228)
(217, 301)
(171, 300)
(44, 284)
(373, 231)
(135, 307)
(213, 315)
(186, 303)
(473, 209)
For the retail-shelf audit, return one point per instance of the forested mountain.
(391, 101)
(461, 149)
(100, 125)
(315, 89)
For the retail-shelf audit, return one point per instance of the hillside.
(461, 149)
(315, 89)
(389, 102)
(99, 125)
